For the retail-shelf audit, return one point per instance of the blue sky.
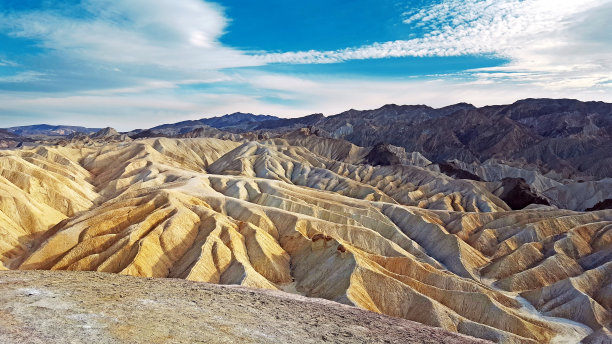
(139, 63)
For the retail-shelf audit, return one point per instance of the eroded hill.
(294, 214)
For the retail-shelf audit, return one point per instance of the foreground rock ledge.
(84, 307)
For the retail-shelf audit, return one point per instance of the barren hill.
(303, 214)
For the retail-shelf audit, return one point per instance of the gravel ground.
(90, 307)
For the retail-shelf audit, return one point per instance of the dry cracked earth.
(299, 217)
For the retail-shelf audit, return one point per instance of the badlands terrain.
(500, 229)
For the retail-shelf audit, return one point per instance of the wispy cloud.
(22, 77)
(7, 63)
(457, 27)
(164, 33)
(549, 39)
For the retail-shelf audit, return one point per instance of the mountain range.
(551, 144)
(562, 137)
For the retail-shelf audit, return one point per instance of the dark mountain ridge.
(50, 130)
(237, 121)
(563, 136)
(5, 134)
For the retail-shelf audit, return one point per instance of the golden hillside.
(300, 217)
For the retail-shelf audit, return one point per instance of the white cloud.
(22, 77)
(458, 27)
(537, 36)
(169, 34)
(7, 63)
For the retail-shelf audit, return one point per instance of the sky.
(139, 63)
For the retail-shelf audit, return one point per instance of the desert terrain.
(509, 249)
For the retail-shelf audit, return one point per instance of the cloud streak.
(454, 27)
(23, 77)
(539, 37)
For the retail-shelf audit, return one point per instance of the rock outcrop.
(605, 204)
(384, 154)
(454, 170)
(517, 193)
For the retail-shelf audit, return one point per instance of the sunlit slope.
(398, 240)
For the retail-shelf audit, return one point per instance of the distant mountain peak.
(105, 133)
(243, 115)
(460, 105)
(235, 118)
(50, 130)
